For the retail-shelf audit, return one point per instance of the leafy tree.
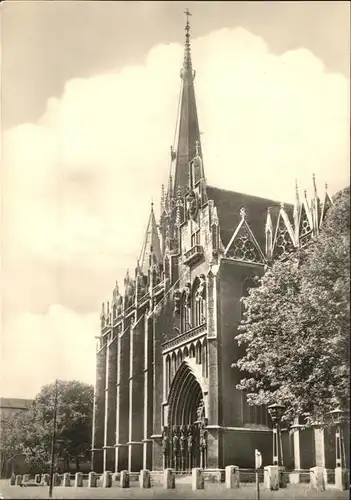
(296, 327)
(31, 432)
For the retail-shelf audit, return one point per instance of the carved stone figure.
(190, 440)
(187, 291)
(176, 302)
(175, 441)
(193, 205)
(165, 442)
(201, 290)
(201, 412)
(182, 439)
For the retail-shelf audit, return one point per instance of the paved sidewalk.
(182, 491)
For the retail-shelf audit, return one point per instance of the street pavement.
(182, 491)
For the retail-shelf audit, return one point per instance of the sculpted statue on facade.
(201, 290)
(187, 292)
(165, 441)
(176, 302)
(175, 441)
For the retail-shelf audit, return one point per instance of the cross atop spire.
(187, 65)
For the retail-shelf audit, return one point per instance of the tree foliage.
(31, 432)
(296, 326)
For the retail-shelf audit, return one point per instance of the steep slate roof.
(228, 205)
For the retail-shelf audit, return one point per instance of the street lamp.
(276, 412)
(337, 418)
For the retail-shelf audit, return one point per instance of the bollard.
(26, 478)
(271, 477)
(12, 480)
(56, 480)
(318, 478)
(78, 480)
(45, 479)
(18, 481)
(66, 480)
(197, 479)
(232, 478)
(37, 478)
(124, 479)
(107, 479)
(92, 480)
(341, 479)
(169, 479)
(144, 479)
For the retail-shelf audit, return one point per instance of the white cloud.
(77, 185)
(36, 349)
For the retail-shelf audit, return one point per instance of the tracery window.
(283, 243)
(243, 248)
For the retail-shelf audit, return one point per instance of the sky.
(89, 94)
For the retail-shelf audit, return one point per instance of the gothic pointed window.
(195, 238)
(198, 353)
(173, 364)
(204, 359)
(168, 373)
(184, 314)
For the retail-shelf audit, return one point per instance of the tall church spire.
(188, 125)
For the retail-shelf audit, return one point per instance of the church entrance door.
(185, 436)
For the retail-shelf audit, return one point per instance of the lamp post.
(53, 443)
(337, 417)
(276, 412)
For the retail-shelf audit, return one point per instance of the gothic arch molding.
(184, 397)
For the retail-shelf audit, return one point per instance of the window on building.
(195, 238)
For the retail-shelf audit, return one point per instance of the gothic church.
(165, 392)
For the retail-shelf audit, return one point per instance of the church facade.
(165, 392)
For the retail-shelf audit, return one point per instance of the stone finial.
(102, 314)
(127, 278)
(314, 186)
(282, 205)
(115, 291)
(197, 148)
(326, 187)
(243, 213)
(297, 195)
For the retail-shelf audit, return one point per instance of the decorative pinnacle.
(326, 186)
(297, 193)
(243, 213)
(197, 148)
(314, 185)
(187, 55)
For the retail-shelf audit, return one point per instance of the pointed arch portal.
(186, 421)
(185, 396)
